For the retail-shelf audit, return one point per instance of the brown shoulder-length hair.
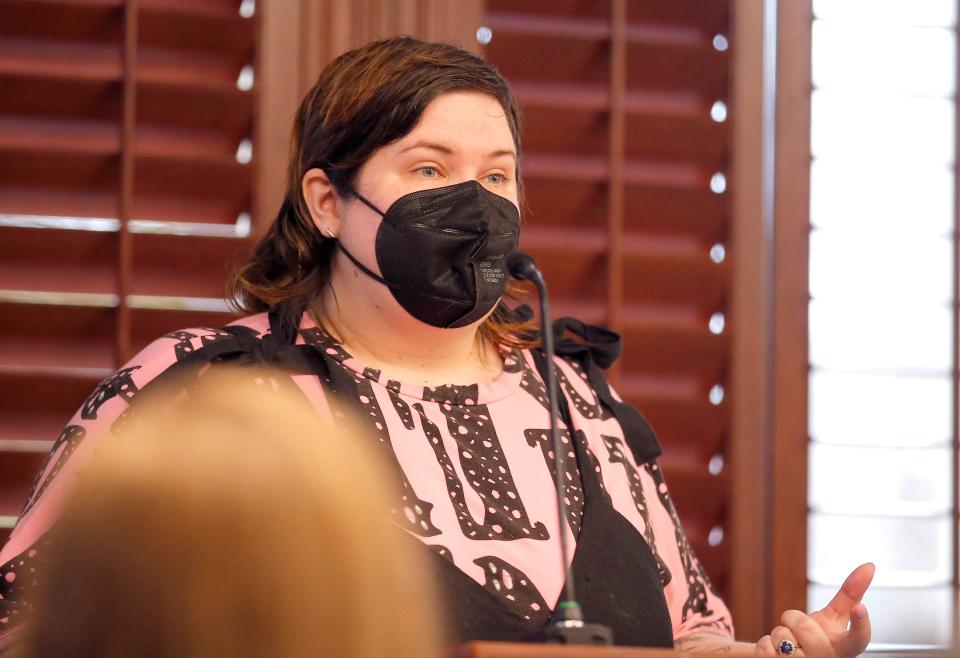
(365, 99)
(236, 522)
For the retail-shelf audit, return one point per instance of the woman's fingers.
(855, 641)
(782, 634)
(852, 590)
(808, 633)
(765, 646)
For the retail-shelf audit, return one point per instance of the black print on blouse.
(531, 383)
(119, 384)
(63, 448)
(697, 580)
(595, 465)
(401, 407)
(572, 489)
(484, 464)
(184, 346)
(217, 335)
(599, 409)
(587, 408)
(614, 446)
(319, 338)
(513, 588)
(413, 513)
(494, 526)
(442, 551)
(17, 578)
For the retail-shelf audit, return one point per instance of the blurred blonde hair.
(233, 523)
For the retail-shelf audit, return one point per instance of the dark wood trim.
(617, 154)
(955, 640)
(750, 314)
(127, 181)
(277, 81)
(790, 309)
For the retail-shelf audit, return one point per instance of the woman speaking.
(380, 289)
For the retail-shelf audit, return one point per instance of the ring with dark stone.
(786, 648)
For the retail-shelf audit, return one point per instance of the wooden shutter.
(127, 164)
(626, 213)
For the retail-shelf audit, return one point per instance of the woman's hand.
(825, 632)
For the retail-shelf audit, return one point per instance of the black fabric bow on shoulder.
(597, 349)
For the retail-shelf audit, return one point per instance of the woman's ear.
(321, 198)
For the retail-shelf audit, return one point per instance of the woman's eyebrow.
(448, 150)
(429, 145)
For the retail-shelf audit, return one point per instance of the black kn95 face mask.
(443, 252)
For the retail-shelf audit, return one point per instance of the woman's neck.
(407, 349)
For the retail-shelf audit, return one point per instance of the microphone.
(568, 627)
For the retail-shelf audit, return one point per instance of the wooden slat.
(669, 344)
(185, 265)
(688, 426)
(671, 176)
(224, 113)
(95, 172)
(572, 59)
(655, 275)
(556, 204)
(584, 9)
(167, 188)
(699, 491)
(17, 473)
(148, 325)
(176, 27)
(571, 272)
(688, 62)
(56, 260)
(70, 22)
(75, 98)
(41, 335)
(48, 338)
(228, 9)
(685, 134)
(674, 210)
(557, 129)
(59, 59)
(82, 261)
(708, 17)
(548, 25)
(35, 405)
(99, 137)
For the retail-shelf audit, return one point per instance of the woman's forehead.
(462, 123)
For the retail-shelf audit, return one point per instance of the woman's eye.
(428, 172)
(496, 179)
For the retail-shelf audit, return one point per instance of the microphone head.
(521, 266)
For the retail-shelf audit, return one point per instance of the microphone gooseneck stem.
(567, 626)
(569, 609)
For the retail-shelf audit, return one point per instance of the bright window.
(882, 316)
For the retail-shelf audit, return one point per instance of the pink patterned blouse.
(475, 465)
